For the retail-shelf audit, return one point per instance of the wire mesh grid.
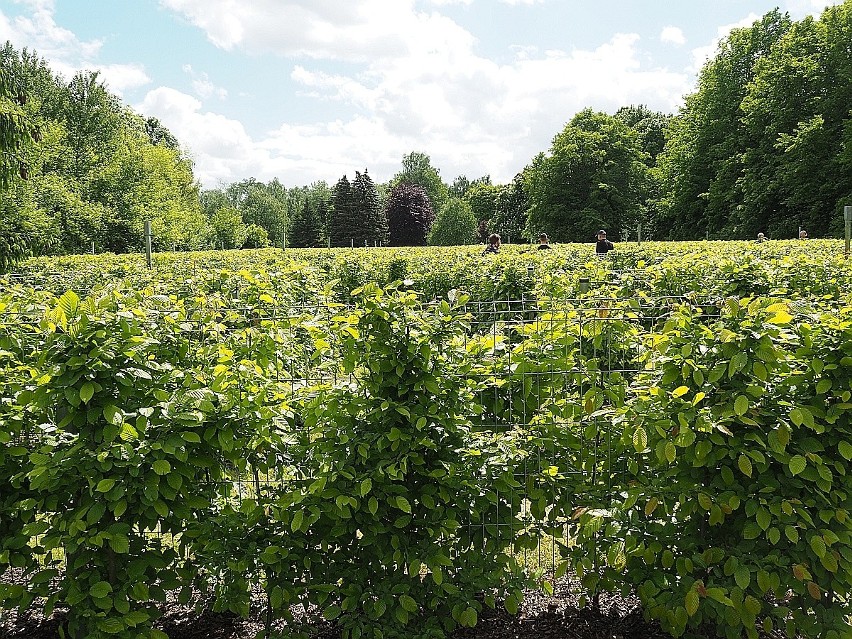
(552, 368)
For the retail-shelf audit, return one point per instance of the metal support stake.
(148, 242)
(847, 218)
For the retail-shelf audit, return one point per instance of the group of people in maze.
(602, 245)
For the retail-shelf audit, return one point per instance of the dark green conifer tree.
(371, 221)
(342, 214)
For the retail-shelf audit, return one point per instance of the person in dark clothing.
(543, 242)
(493, 244)
(603, 245)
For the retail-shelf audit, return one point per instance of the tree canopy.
(593, 177)
(764, 143)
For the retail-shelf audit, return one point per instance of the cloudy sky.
(307, 90)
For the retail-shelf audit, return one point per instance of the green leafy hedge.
(388, 461)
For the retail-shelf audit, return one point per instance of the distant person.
(603, 245)
(543, 242)
(761, 238)
(493, 244)
(803, 234)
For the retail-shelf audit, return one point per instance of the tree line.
(764, 143)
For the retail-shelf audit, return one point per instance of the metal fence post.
(148, 242)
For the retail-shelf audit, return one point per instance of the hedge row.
(381, 493)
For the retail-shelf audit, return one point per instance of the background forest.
(764, 143)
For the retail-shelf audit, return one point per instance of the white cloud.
(321, 29)
(220, 146)
(672, 35)
(468, 113)
(414, 81)
(517, 2)
(202, 85)
(310, 28)
(122, 77)
(64, 51)
(800, 8)
(700, 55)
(38, 30)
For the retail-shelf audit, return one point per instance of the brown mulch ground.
(540, 617)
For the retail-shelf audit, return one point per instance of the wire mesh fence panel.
(548, 374)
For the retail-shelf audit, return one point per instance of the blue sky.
(307, 90)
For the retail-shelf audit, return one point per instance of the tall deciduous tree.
(798, 107)
(95, 173)
(482, 198)
(510, 214)
(455, 225)
(17, 133)
(592, 178)
(417, 170)
(702, 165)
(410, 215)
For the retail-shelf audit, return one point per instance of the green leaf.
(100, 590)
(741, 405)
(161, 508)
(112, 415)
(797, 464)
(373, 505)
(751, 530)
(845, 449)
(468, 618)
(69, 302)
(162, 467)
(298, 518)
(135, 617)
(511, 604)
(437, 575)
(105, 485)
(742, 576)
(87, 391)
(691, 602)
(780, 318)
(408, 603)
(763, 580)
(817, 545)
(111, 625)
(366, 487)
(680, 391)
(774, 536)
(402, 504)
(823, 386)
(640, 439)
(744, 464)
(331, 613)
(792, 534)
(763, 518)
(119, 543)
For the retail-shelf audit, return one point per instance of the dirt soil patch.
(541, 616)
